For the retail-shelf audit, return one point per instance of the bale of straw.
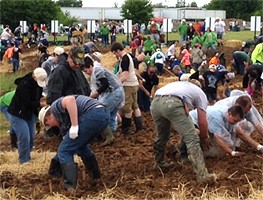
(233, 43)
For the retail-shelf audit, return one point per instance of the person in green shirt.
(210, 40)
(241, 61)
(183, 27)
(196, 39)
(104, 31)
(147, 45)
(5, 101)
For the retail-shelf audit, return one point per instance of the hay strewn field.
(127, 166)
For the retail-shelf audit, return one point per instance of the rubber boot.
(55, 168)
(70, 176)
(13, 141)
(109, 137)
(197, 159)
(138, 124)
(91, 166)
(125, 125)
(159, 153)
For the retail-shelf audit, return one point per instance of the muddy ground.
(127, 167)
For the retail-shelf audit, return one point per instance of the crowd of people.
(79, 109)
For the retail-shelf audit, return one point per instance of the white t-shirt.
(220, 26)
(158, 57)
(192, 94)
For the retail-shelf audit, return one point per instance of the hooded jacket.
(26, 99)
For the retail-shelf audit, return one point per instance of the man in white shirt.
(220, 30)
(169, 110)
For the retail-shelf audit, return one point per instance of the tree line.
(140, 11)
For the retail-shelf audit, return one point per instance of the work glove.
(237, 153)
(260, 148)
(73, 132)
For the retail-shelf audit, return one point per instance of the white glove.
(73, 132)
(260, 148)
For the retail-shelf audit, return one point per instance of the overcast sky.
(110, 3)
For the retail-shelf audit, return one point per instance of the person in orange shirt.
(198, 27)
(9, 52)
(214, 60)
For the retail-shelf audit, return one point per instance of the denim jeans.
(113, 101)
(144, 101)
(15, 63)
(91, 124)
(25, 132)
(3, 109)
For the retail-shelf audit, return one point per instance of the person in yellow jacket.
(257, 54)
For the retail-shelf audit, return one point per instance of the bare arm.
(202, 123)
(219, 141)
(240, 133)
(124, 76)
(69, 103)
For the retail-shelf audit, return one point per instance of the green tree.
(159, 5)
(69, 3)
(193, 4)
(237, 9)
(139, 11)
(180, 4)
(32, 11)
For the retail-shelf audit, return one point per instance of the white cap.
(231, 75)
(158, 49)
(185, 77)
(190, 24)
(212, 67)
(41, 76)
(183, 20)
(98, 55)
(42, 113)
(58, 50)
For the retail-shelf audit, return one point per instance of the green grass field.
(241, 35)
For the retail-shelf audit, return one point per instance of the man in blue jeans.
(79, 118)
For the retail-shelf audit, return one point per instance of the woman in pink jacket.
(186, 62)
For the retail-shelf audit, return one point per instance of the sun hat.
(77, 54)
(42, 114)
(58, 50)
(41, 76)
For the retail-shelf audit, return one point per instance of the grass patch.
(230, 35)
(7, 81)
